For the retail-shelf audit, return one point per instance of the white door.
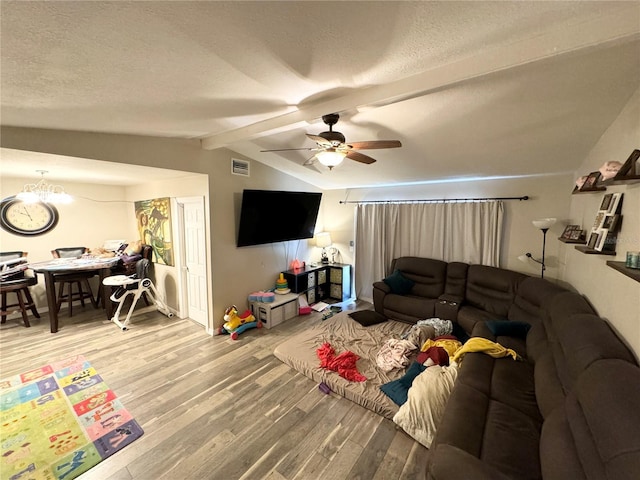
(196, 260)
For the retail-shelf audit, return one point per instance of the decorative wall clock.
(28, 219)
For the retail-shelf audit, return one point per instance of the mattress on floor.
(343, 333)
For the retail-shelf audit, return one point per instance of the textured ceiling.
(472, 89)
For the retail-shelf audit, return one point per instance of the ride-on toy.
(236, 324)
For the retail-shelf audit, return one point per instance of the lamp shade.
(323, 239)
(543, 223)
(331, 157)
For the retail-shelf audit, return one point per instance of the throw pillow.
(398, 283)
(420, 415)
(397, 390)
(368, 317)
(134, 248)
(508, 328)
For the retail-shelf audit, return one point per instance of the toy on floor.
(137, 285)
(236, 324)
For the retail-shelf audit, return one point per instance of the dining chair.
(79, 279)
(17, 283)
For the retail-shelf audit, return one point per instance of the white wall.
(615, 296)
(548, 197)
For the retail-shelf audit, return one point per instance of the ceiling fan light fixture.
(331, 157)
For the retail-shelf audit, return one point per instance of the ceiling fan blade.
(375, 144)
(320, 140)
(360, 157)
(289, 149)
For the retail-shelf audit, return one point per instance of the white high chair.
(137, 285)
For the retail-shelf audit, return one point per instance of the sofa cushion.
(594, 434)
(469, 316)
(428, 274)
(508, 328)
(456, 283)
(586, 338)
(492, 289)
(502, 437)
(408, 308)
(502, 379)
(531, 302)
(398, 283)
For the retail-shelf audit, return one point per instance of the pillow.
(508, 328)
(398, 283)
(397, 390)
(419, 417)
(367, 317)
(134, 248)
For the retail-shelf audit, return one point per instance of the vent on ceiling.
(239, 167)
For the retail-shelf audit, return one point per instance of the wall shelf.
(629, 272)
(591, 251)
(588, 190)
(623, 180)
(581, 241)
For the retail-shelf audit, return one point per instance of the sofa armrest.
(451, 463)
(380, 290)
(447, 306)
(382, 286)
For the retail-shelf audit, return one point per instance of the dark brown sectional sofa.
(569, 410)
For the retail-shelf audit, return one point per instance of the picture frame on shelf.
(615, 202)
(610, 222)
(591, 181)
(576, 234)
(568, 231)
(602, 239)
(606, 201)
(593, 240)
(630, 167)
(597, 223)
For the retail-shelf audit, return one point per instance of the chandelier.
(43, 192)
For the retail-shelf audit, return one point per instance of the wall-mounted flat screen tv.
(269, 216)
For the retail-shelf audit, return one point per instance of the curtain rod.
(438, 200)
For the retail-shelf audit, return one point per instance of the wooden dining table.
(59, 266)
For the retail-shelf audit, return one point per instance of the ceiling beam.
(620, 26)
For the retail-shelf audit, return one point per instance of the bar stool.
(20, 287)
(18, 284)
(79, 279)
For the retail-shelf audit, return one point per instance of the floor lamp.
(543, 224)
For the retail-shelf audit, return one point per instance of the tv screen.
(269, 216)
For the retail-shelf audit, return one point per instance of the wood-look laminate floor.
(213, 408)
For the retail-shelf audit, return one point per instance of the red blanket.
(344, 364)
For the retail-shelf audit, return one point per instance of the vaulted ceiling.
(471, 89)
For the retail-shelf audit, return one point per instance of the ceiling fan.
(332, 147)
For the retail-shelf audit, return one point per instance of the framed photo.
(606, 201)
(568, 230)
(593, 240)
(576, 234)
(629, 167)
(602, 239)
(597, 223)
(610, 222)
(616, 198)
(591, 181)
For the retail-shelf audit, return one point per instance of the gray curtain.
(468, 232)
